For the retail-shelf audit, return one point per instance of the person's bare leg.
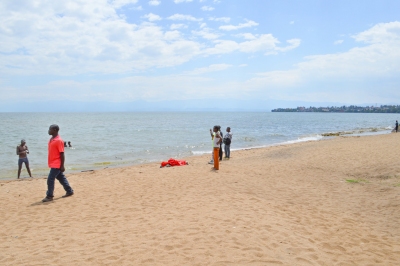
(19, 170)
(29, 170)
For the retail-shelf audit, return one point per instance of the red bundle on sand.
(173, 162)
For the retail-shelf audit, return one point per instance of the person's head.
(228, 129)
(53, 130)
(23, 142)
(215, 129)
(219, 128)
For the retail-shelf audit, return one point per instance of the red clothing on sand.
(56, 146)
(173, 162)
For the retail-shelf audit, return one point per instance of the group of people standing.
(218, 139)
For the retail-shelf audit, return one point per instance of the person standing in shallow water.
(22, 152)
(56, 159)
(397, 126)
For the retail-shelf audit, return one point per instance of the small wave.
(304, 139)
(200, 152)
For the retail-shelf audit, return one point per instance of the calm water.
(112, 139)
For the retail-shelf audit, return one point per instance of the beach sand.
(331, 202)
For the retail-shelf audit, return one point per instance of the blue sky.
(243, 52)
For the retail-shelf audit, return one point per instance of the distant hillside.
(344, 109)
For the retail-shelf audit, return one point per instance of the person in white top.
(212, 150)
(217, 140)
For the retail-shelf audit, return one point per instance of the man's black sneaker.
(68, 194)
(47, 199)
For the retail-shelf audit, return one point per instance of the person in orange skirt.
(217, 140)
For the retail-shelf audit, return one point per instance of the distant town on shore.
(344, 109)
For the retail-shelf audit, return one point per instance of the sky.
(107, 55)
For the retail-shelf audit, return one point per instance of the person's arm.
(17, 151)
(62, 157)
(27, 150)
(211, 133)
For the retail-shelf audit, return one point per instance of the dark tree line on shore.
(344, 109)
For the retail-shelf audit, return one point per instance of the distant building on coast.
(344, 109)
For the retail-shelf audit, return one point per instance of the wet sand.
(331, 202)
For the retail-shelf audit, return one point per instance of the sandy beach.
(331, 202)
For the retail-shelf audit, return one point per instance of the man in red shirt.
(56, 160)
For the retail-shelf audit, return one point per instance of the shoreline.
(311, 138)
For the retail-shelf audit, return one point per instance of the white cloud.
(248, 36)
(382, 32)
(154, 2)
(211, 68)
(182, 1)
(178, 26)
(172, 35)
(293, 43)
(291, 22)
(206, 33)
(343, 76)
(265, 43)
(121, 3)
(81, 39)
(248, 24)
(207, 8)
(70, 38)
(184, 17)
(91, 37)
(223, 19)
(152, 17)
(338, 42)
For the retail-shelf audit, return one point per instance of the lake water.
(114, 139)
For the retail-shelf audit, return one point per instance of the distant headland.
(344, 109)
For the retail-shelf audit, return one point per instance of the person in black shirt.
(220, 145)
(397, 126)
